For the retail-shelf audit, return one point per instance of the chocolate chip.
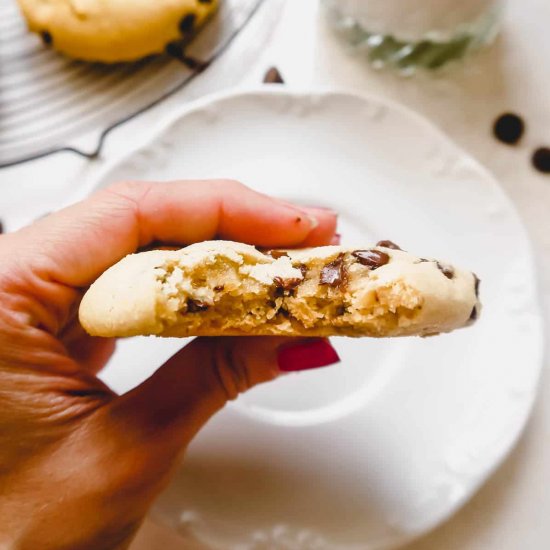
(373, 259)
(1, 227)
(194, 306)
(47, 38)
(303, 269)
(273, 76)
(473, 315)
(334, 273)
(388, 244)
(447, 270)
(205, 1)
(187, 22)
(284, 312)
(476, 285)
(508, 128)
(275, 254)
(340, 310)
(271, 304)
(174, 49)
(287, 284)
(219, 288)
(541, 160)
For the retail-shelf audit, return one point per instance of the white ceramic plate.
(377, 450)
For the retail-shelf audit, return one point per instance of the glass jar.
(408, 34)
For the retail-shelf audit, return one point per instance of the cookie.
(114, 30)
(224, 288)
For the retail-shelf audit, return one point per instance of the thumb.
(203, 376)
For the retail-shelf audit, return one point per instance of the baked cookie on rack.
(115, 30)
(220, 288)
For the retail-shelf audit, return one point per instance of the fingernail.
(337, 239)
(325, 209)
(306, 354)
(314, 222)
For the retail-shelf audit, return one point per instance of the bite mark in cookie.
(222, 288)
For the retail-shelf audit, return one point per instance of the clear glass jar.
(408, 34)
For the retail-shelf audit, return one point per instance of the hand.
(79, 465)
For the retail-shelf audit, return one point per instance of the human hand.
(79, 465)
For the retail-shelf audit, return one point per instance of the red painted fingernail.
(337, 239)
(306, 354)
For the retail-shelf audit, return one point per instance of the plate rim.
(430, 128)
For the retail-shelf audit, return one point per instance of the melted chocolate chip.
(273, 76)
(287, 284)
(508, 128)
(476, 285)
(303, 269)
(187, 22)
(1, 227)
(334, 273)
(473, 315)
(340, 310)
(47, 38)
(447, 270)
(219, 288)
(284, 312)
(388, 244)
(271, 304)
(373, 259)
(275, 254)
(541, 160)
(205, 1)
(194, 306)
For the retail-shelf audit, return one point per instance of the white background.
(511, 511)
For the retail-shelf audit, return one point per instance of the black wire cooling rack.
(47, 100)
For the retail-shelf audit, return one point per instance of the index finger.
(75, 245)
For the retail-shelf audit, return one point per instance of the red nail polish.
(337, 239)
(306, 354)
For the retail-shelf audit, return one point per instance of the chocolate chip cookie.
(116, 30)
(227, 288)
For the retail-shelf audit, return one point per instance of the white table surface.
(511, 511)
